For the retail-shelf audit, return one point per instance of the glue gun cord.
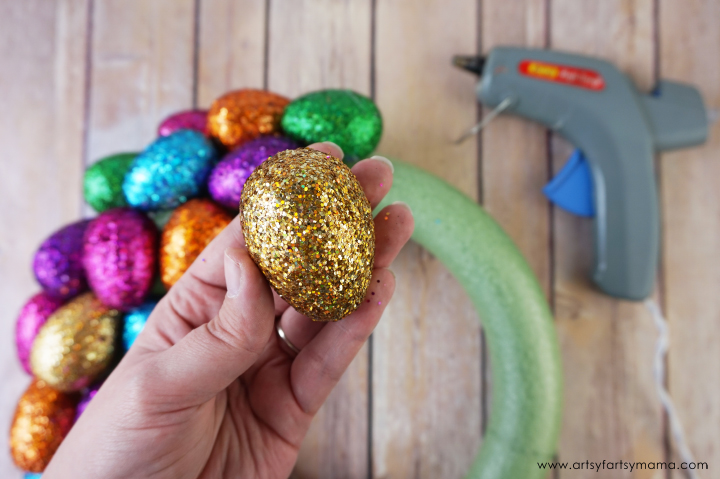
(659, 369)
(504, 105)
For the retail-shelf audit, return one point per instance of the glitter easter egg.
(43, 418)
(242, 115)
(228, 177)
(171, 170)
(87, 396)
(135, 321)
(32, 316)
(349, 119)
(184, 120)
(32, 475)
(103, 182)
(58, 262)
(160, 217)
(76, 344)
(119, 257)
(309, 227)
(190, 229)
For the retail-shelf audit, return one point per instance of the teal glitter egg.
(135, 321)
(103, 182)
(346, 118)
(170, 171)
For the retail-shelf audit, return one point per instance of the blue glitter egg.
(135, 322)
(32, 475)
(170, 171)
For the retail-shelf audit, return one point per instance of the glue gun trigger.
(572, 187)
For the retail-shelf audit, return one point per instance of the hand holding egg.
(158, 229)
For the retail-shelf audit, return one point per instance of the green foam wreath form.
(524, 355)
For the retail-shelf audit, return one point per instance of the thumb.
(213, 355)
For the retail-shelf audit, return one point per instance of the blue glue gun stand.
(617, 131)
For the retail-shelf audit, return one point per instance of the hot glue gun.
(616, 129)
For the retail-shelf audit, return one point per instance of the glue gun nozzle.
(471, 63)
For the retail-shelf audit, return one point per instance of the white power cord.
(661, 349)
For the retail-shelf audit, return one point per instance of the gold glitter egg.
(309, 227)
(43, 418)
(191, 227)
(76, 344)
(242, 115)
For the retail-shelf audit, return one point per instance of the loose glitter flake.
(309, 227)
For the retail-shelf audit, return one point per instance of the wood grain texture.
(689, 38)
(141, 71)
(314, 45)
(515, 151)
(86, 78)
(611, 408)
(231, 47)
(426, 364)
(319, 44)
(42, 45)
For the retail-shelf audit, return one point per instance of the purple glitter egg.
(85, 399)
(184, 120)
(32, 316)
(58, 262)
(228, 177)
(119, 257)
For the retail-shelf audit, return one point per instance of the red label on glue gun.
(578, 77)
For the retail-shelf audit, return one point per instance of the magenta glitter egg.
(119, 257)
(32, 316)
(85, 399)
(58, 262)
(228, 177)
(184, 120)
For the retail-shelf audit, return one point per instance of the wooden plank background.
(84, 78)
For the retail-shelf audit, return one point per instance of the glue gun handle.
(626, 225)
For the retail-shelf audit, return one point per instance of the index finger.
(374, 174)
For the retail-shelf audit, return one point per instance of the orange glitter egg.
(43, 418)
(243, 115)
(191, 227)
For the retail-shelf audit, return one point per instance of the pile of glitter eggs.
(157, 210)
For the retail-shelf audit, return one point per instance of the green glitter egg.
(103, 182)
(346, 118)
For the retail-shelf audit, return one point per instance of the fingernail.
(233, 276)
(402, 203)
(384, 160)
(342, 153)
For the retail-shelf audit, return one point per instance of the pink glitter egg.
(32, 316)
(229, 176)
(58, 262)
(184, 120)
(119, 257)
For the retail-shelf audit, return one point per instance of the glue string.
(661, 349)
